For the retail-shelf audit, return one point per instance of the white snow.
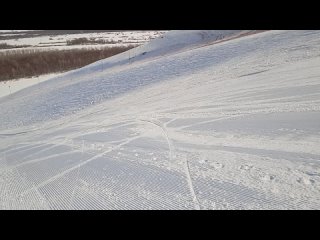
(12, 86)
(193, 120)
(60, 41)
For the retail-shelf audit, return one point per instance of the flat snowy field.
(193, 120)
(59, 42)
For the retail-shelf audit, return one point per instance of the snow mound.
(170, 43)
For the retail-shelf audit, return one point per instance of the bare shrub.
(78, 41)
(83, 41)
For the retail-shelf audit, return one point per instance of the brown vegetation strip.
(28, 63)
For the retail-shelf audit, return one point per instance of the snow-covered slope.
(170, 43)
(88, 82)
(186, 123)
(12, 86)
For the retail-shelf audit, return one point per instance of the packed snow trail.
(204, 124)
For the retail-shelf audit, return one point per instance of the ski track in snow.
(226, 125)
(187, 168)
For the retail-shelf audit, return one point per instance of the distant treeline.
(82, 41)
(8, 46)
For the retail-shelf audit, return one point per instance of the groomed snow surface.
(193, 120)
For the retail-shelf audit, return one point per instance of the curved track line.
(187, 168)
(165, 133)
